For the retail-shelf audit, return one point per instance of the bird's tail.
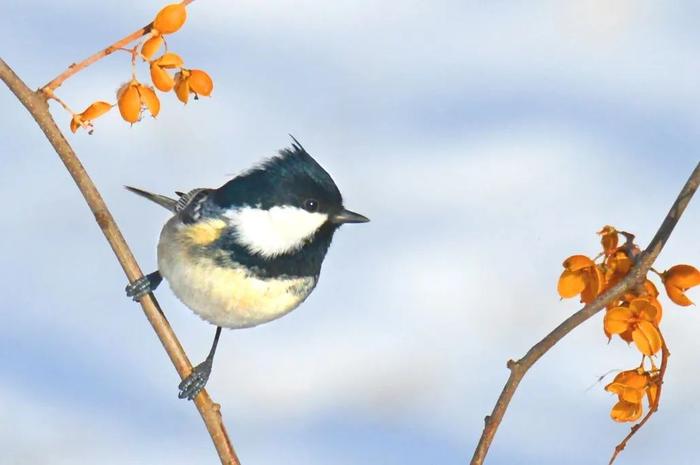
(163, 201)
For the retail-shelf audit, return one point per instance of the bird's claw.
(143, 285)
(138, 288)
(195, 382)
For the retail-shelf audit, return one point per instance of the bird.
(249, 251)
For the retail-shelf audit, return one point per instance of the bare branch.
(636, 276)
(36, 104)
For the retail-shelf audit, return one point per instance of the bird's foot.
(195, 382)
(143, 286)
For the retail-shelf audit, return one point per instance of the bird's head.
(284, 203)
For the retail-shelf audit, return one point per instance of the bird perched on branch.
(250, 251)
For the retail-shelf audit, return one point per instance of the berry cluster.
(634, 317)
(134, 97)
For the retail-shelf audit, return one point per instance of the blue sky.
(486, 141)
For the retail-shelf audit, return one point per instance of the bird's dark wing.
(188, 207)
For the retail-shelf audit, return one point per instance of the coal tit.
(250, 251)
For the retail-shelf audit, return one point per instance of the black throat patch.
(303, 262)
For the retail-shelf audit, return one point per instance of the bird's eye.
(310, 205)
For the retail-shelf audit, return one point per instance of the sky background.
(487, 141)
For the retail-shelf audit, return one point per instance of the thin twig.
(133, 62)
(665, 354)
(121, 43)
(635, 277)
(660, 275)
(49, 94)
(36, 104)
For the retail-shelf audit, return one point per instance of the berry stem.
(660, 275)
(50, 95)
(77, 67)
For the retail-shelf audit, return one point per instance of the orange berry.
(170, 18)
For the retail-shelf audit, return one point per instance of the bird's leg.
(143, 285)
(190, 386)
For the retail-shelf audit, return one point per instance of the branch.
(36, 104)
(76, 67)
(665, 354)
(635, 277)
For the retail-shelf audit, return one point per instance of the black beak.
(346, 216)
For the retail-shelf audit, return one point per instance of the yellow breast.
(224, 296)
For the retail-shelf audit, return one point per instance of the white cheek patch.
(275, 231)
